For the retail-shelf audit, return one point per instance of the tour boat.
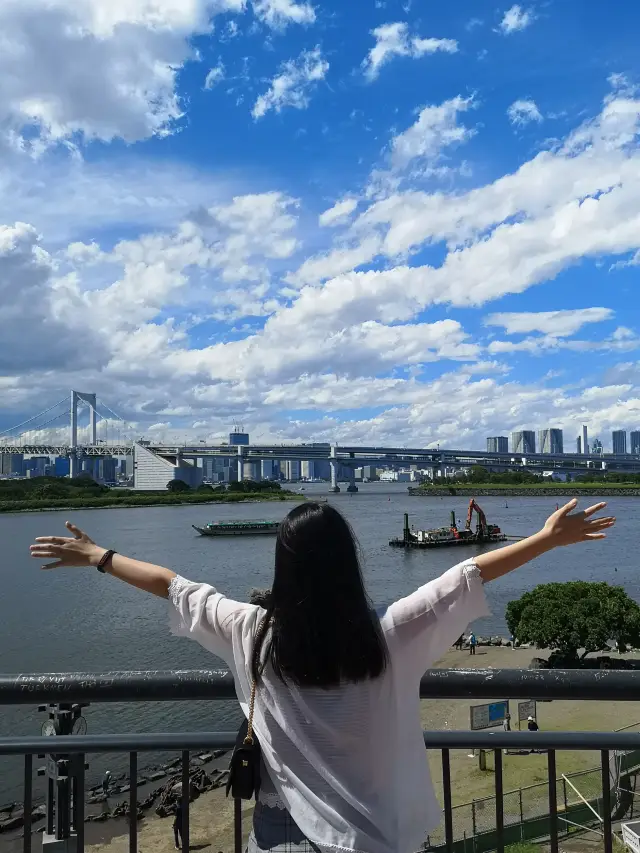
(238, 528)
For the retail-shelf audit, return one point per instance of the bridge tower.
(90, 400)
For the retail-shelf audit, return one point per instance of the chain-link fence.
(526, 810)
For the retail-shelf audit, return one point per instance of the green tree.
(575, 615)
(178, 486)
(49, 490)
(479, 474)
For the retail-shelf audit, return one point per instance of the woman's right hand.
(78, 550)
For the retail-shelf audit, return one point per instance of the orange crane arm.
(482, 519)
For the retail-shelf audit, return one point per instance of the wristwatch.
(104, 560)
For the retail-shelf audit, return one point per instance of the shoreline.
(142, 503)
(502, 491)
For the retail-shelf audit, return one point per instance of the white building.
(153, 472)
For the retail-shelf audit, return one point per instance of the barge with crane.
(452, 536)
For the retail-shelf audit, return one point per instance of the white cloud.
(68, 199)
(97, 70)
(339, 213)
(339, 260)
(515, 19)
(292, 87)
(395, 40)
(435, 129)
(279, 13)
(84, 253)
(548, 343)
(523, 112)
(595, 171)
(215, 75)
(633, 261)
(27, 294)
(361, 339)
(559, 324)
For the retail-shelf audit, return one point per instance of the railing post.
(78, 802)
(553, 800)
(497, 757)
(133, 802)
(606, 801)
(28, 801)
(448, 812)
(186, 796)
(521, 815)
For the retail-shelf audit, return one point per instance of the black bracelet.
(104, 560)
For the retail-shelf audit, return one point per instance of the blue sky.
(401, 222)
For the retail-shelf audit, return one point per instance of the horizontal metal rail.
(184, 743)
(193, 741)
(160, 686)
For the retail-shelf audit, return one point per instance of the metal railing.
(162, 686)
(67, 689)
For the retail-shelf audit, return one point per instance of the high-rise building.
(596, 447)
(106, 469)
(585, 440)
(291, 470)
(11, 464)
(270, 469)
(619, 437)
(634, 441)
(90, 467)
(63, 466)
(523, 441)
(238, 437)
(35, 466)
(579, 444)
(550, 441)
(251, 471)
(213, 467)
(497, 444)
(315, 469)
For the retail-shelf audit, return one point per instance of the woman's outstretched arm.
(80, 550)
(561, 528)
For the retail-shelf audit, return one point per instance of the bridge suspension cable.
(126, 424)
(50, 421)
(35, 417)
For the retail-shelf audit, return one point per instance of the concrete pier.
(333, 462)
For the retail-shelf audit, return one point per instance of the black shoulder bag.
(244, 767)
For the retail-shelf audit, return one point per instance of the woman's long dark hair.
(324, 631)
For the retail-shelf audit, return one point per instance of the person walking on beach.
(330, 675)
(177, 826)
(106, 782)
(472, 643)
(460, 642)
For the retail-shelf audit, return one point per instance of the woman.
(337, 711)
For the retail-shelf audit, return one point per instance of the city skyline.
(357, 223)
(550, 440)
